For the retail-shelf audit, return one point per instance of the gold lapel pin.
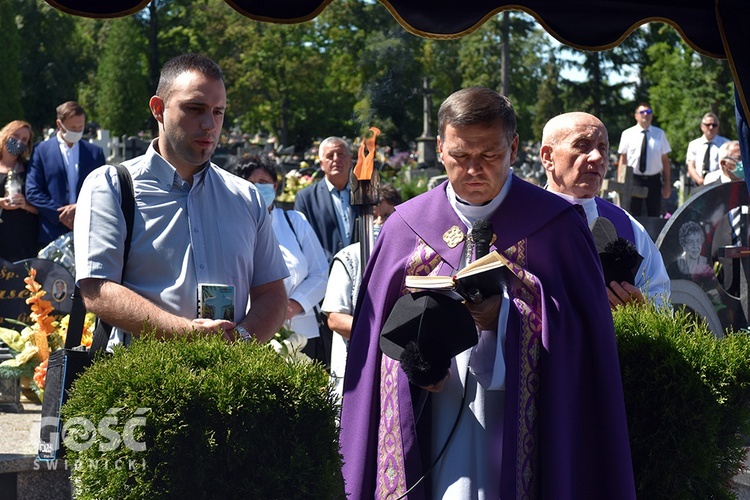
(453, 236)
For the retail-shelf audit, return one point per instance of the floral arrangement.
(32, 346)
(294, 181)
(289, 345)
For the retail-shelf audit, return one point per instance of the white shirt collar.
(471, 213)
(331, 187)
(588, 204)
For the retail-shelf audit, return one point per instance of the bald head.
(575, 154)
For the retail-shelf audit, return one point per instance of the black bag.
(66, 364)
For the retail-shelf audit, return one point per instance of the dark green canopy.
(715, 28)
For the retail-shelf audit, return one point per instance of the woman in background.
(303, 254)
(19, 226)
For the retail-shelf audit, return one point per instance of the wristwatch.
(243, 332)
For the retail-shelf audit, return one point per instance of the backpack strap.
(78, 310)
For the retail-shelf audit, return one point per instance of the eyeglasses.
(646, 111)
(710, 125)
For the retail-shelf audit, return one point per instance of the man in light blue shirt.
(194, 223)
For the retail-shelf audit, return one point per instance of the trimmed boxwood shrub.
(223, 421)
(686, 395)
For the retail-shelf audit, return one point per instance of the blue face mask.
(739, 170)
(267, 192)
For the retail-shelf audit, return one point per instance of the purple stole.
(618, 217)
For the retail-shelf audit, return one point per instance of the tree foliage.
(705, 85)
(52, 60)
(481, 63)
(549, 103)
(122, 106)
(10, 83)
(350, 68)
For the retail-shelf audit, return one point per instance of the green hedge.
(686, 395)
(224, 421)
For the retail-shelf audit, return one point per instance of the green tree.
(481, 62)
(391, 97)
(549, 103)
(597, 93)
(10, 83)
(278, 80)
(378, 68)
(52, 61)
(122, 106)
(688, 85)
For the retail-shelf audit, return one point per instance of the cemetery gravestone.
(696, 244)
(624, 190)
(54, 279)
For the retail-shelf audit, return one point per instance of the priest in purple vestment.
(575, 154)
(535, 409)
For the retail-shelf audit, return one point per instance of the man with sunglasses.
(645, 149)
(703, 153)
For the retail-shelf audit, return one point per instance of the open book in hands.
(484, 276)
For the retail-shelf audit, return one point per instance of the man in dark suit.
(57, 170)
(326, 204)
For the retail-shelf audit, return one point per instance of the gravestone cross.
(625, 190)
(740, 254)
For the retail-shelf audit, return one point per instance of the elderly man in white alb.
(575, 154)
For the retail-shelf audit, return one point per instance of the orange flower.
(40, 313)
(40, 374)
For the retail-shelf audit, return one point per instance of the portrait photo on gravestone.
(54, 279)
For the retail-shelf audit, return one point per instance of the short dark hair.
(389, 193)
(68, 109)
(251, 162)
(181, 64)
(477, 106)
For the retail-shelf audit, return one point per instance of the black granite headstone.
(54, 278)
(689, 245)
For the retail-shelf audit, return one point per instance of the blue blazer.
(47, 182)
(316, 203)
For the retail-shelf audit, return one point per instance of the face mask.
(739, 170)
(14, 146)
(267, 192)
(70, 136)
